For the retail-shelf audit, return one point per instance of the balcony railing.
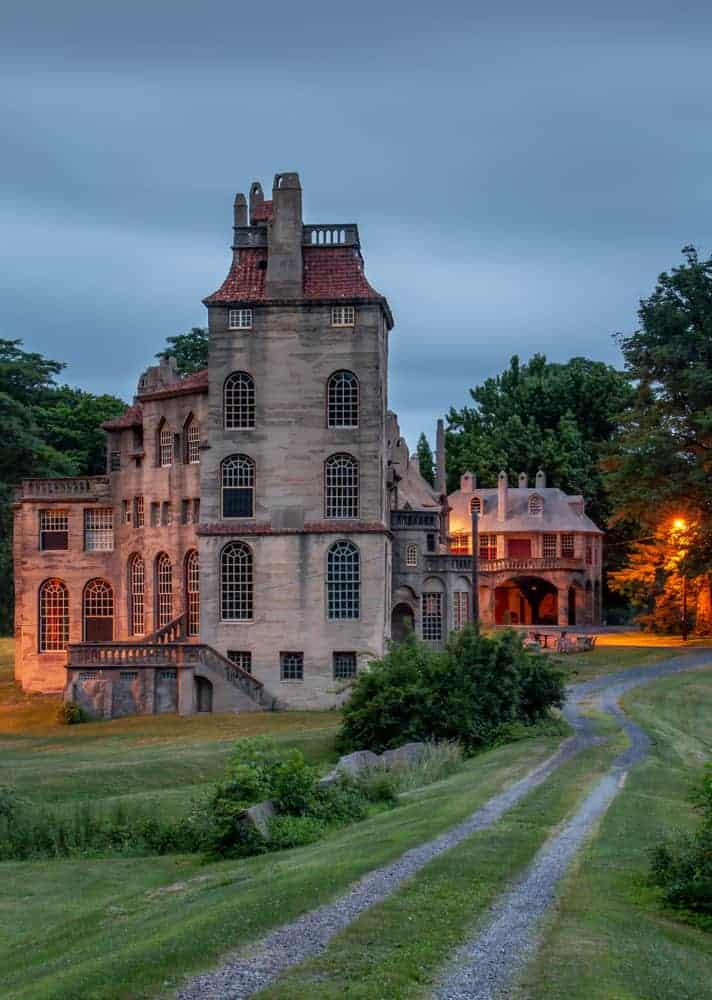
(59, 489)
(332, 234)
(461, 563)
(414, 519)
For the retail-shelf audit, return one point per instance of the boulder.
(407, 754)
(258, 817)
(358, 761)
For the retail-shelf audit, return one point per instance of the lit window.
(341, 487)
(98, 611)
(54, 530)
(488, 548)
(460, 544)
(165, 447)
(411, 555)
(239, 402)
(138, 512)
(549, 547)
(342, 316)
(99, 529)
(344, 666)
(239, 319)
(567, 546)
(241, 658)
(342, 400)
(164, 590)
(536, 505)
(343, 581)
(291, 666)
(114, 461)
(432, 617)
(238, 486)
(460, 608)
(192, 590)
(137, 595)
(236, 583)
(54, 616)
(476, 506)
(193, 443)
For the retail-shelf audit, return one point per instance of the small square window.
(343, 316)
(114, 461)
(291, 666)
(239, 319)
(344, 666)
(241, 658)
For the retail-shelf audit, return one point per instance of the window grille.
(168, 675)
(54, 616)
(238, 486)
(114, 461)
(567, 546)
(341, 487)
(137, 595)
(488, 548)
(549, 546)
(155, 513)
(411, 555)
(460, 609)
(344, 666)
(54, 530)
(98, 611)
(193, 443)
(164, 590)
(128, 675)
(138, 512)
(236, 582)
(165, 447)
(241, 658)
(342, 316)
(536, 505)
(432, 617)
(239, 319)
(476, 506)
(460, 544)
(99, 529)
(291, 666)
(89, 675)
(239, 402)
(342, 400)
(343, 581)
(192, 589)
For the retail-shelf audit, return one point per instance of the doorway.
(203, 694)
(402, 622)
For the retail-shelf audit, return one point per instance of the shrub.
(294, 831)
(70, 713)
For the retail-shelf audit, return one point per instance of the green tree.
(71, 422)
(425, 457)
(189, 349)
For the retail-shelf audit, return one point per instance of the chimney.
(468, 482)
(502, 487)
(257, 199)
(440, 478)
(523, 481)
(239, 212)
(541, 480)
(284, 239)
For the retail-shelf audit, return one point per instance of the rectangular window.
(432, 617)
(168, 675)
(430, 543)
(342, 316)
(192, 445)
(128, 675)
(241, 658)
(238, 501)
(291, 666)
(54, 530)
(344, 666)
(125, 512)
(138, 512)
(460, 609)
(99, 530)
(460, 544)
(166, 513)
(239, 319)
(114, 461)
(165, 447)
(155, 513)
(185, 512)
(567, 546)
(88, 675)
(488, 548)
(549, 547)
(196, 510)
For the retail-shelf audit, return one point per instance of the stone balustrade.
(414, 519)
(461, 563)
(83, 487)
(331, 234)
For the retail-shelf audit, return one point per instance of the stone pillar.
(501, 547)
(186, 691)
(502, 490)
(563, 606)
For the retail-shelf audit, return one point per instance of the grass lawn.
(624, 651)
(609, 938)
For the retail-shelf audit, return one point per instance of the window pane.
(342, 487)
(343, 581)
(342, 400)
(236, 582)
(99, 530)
(54, 616)
(432, 617)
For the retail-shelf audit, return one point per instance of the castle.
(261, 531)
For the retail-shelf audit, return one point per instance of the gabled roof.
(560, 511)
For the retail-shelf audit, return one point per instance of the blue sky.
(520, 177)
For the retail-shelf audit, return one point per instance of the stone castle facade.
(261, 531)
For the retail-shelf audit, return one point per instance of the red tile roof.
(131, 417)
(262, 212)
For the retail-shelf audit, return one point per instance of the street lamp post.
(475, 568)
(680, 525)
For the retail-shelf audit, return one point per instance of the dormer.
(536, 505)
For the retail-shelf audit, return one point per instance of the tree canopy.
(425, 458)
(189, 349)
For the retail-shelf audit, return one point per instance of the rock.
(359, 760)
(406, 754)
(258, 817)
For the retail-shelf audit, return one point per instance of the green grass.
(624, 651)
(609, 938)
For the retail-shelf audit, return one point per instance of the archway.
(526, 600)
(402, 622)
(203, 694)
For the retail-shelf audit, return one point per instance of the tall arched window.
(98, 611)
(192, 442)
(411, 554)
(164, 445)
(343, 581)
(536, 504)
(239, 402)
(236, 582)
(137, 595)
(237, 474)
(342, 400)
(192, 593)
(54, 616)
(341, 487)
(164, 590)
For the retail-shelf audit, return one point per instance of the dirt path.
(485, 967)
(261, 963)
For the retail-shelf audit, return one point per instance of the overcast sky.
(519, 177)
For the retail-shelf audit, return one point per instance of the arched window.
(342, 400)
(137, 595)
(192, 442)
(164, 590)
(476, 506)
(98, 611)
(343, 581)
(411, 554)
(536, 505)
(164, 445)
(237, 475)
(341, 487)
(239, 402)
(192, 593)
(54, 616)
(236, 584)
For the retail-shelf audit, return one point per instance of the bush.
(70, 713)
(465, 693)
(294, 831)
